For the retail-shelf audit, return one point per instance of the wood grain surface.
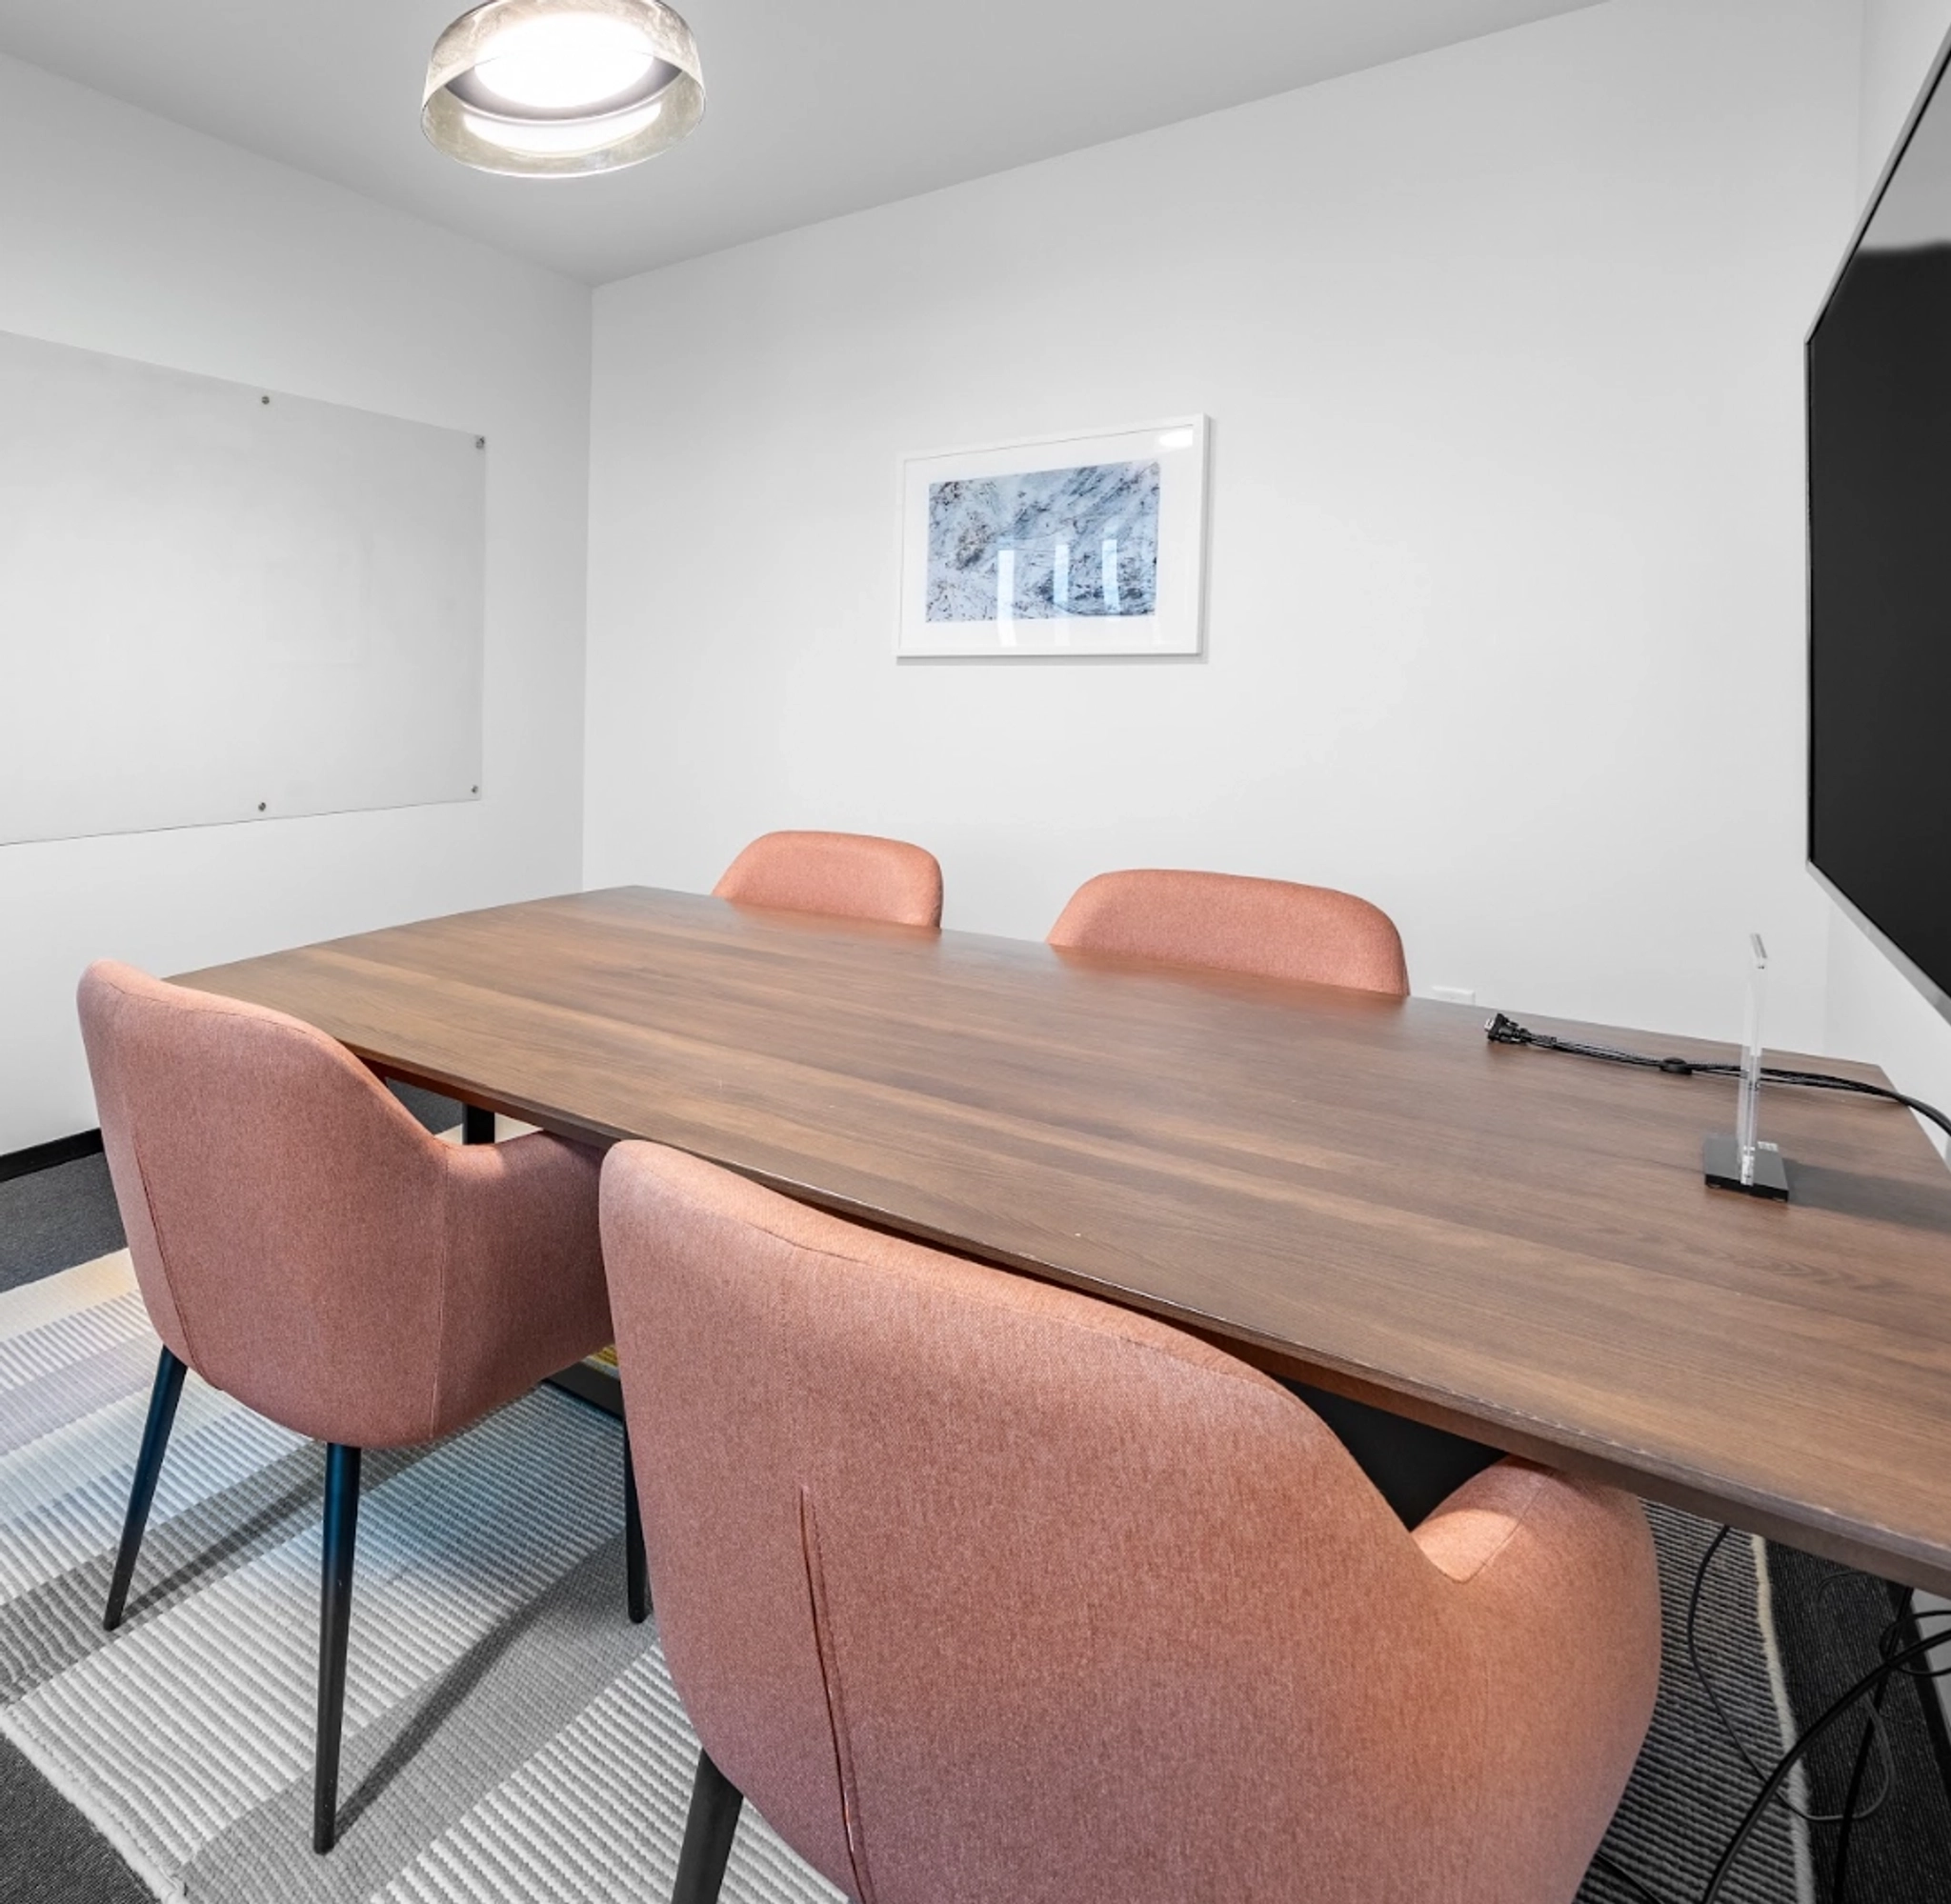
(1359, 1191)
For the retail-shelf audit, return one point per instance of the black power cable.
(1896, 1661)
(1503, 1029)
(1850, 1813)
(1863, 1750)
(1613, 1869)
(1876, 1677)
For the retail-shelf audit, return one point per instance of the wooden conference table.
(1359, 1191)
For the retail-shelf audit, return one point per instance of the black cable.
(1734, 1737)
(1614, 1868)
(1503, 1029)
(1793, 1758)
(1853, 1812)
(1886, 1645)
(1917, 1619)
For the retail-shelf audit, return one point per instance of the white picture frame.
(1055, 547)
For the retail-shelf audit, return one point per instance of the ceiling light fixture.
(550, 89)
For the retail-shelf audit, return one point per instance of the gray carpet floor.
(48, 1852)
(56, 1218)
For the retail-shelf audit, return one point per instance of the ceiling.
(817, 107)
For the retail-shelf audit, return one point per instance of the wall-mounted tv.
(1879, 563)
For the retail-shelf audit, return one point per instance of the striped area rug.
(509, 1734)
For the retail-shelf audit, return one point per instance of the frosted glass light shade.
(556, 87)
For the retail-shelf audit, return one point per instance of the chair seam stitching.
(830, 1682)
(1510, 1534)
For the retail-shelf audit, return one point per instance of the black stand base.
(1720, 1159)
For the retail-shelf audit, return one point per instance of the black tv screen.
(1879, 564)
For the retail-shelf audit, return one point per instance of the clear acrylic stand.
(1742, 1161)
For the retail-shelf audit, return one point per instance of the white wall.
(1900, 39)
(1504, 350)
(1874, 1011)
(124, 234)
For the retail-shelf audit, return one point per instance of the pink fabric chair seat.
(1225, 923)
(845, 875)
(983, 1591)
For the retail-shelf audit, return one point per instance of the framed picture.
(1059, 546)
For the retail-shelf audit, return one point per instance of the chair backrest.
(287, 1216)
(846, 875)
(979, 1588)
(1224, 922)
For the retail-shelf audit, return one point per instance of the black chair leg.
(334, 1622)
(163, 1398)
(636, 1567)
(709, 1830)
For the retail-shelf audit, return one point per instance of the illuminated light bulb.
(573, 59)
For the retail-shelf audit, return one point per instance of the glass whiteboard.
(222, 603)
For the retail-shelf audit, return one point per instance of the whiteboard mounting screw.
(264, 399)
(260, 806)
(480, 443)
(473, 789)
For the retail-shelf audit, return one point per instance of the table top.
(1355, 1190)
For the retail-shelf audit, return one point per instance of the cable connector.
(1504, 1030)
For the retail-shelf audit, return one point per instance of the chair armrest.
(1524, 1532)
(1462, 1535)
(525, 1293)
(1560, 1591)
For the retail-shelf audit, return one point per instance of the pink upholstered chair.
(1275, 928)
(1227, 923)
(982, 1590)
(305, 1247)
(848, 876)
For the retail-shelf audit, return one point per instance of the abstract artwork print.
(1044, 545)
(1076, 545)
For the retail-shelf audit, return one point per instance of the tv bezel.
(1937, 995)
